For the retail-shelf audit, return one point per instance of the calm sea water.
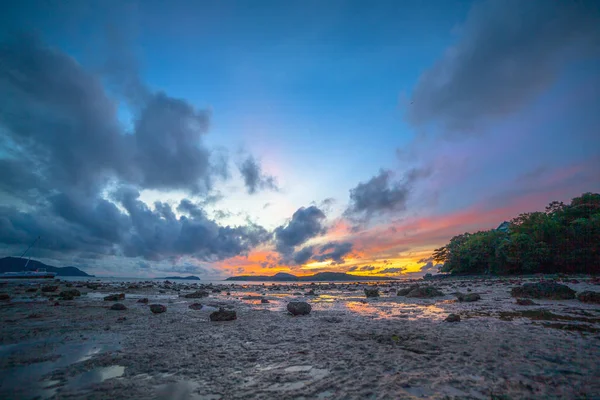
(205, 282)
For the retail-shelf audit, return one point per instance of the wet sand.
(349, 347)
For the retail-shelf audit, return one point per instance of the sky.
(144, 138)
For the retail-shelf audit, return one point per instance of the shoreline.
(348, 347)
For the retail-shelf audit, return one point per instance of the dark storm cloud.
(254, 178)
(306, 223)
(508, 52)
(381, 194)
(62, 149)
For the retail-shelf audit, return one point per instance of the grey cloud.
(381, 194)
(63, 148)
(392, 270)
(363, 268)
(60, 123)
(508, 52)
(306, 223)
(254, 178)
(430, 267)
(334, 251)
(302, 256)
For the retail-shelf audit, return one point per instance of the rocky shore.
(475, 338)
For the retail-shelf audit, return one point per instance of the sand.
(349, 347)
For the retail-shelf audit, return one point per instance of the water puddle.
(25, 381)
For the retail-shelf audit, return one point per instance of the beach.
(348, 347)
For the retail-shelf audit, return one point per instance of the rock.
(468, 297)
(405, 291)
(371, 292)
(31, 290)
(118, 307)
(299, 308)
(157, 308)
(264, 301)
(144, 300)
(453, 318)
(196, 295)
(115, 297)
(424, 292)
(526, 302)
(91, 286)
(196, 306)
(69, 294)
(544, 290)
(297, 294)
(589, 297)
(223, 315)
(4, 296)
(49, 288)
(228, 293)
(310, 293)
(216, 290)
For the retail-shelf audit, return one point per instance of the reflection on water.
(25, 381)
(390, 309)
(95, 376)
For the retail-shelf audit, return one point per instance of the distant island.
(319, 277)
(189, 278)
(17, 264)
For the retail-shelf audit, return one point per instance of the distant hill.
(16, 264)
(320, 277)
(189, 278)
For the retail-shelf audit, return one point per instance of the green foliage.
(564, 238)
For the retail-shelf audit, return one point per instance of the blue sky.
(437, 108)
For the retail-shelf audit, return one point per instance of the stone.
(264, 301)
(118, 307)
(425, 292)
(69, 294)
(371, 292)
(115, 297)
(526, 302)
(310, 293)
(157, 308)
(216, 290)
(589, 297)
(223, 315)
(468, 297)
(31, 290)
(299, 308)
(143, 301)
(544, 290)
(195, 306)
(49, 288)
(4, 296)
(196, 295)
(453, 318)
(405, 291)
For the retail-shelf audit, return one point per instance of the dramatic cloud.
(508, 52)
(254, 178)
(306, 223)
(63, 149)
(430, 267)
(381, 194)
(363, 268)
(392, 270)
(332, 251)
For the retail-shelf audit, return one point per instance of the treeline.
(565, 238)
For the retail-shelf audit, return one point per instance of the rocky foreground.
(451, 339)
